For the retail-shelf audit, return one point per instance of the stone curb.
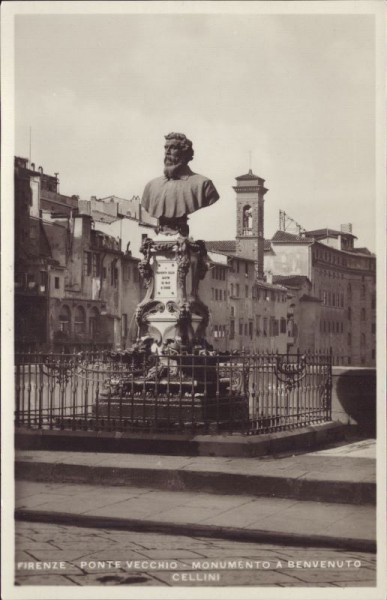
(346, 492)
(236, 445)
(190, 529)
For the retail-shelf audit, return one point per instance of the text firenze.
(195, 565)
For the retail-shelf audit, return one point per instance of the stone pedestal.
(172, 312)
(170, 378)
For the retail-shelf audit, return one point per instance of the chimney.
(32, 166)
(41, 170)
(346, 228)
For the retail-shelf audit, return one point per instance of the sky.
(99, 92)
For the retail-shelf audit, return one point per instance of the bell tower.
(250, 191)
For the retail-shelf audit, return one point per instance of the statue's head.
(178, 153)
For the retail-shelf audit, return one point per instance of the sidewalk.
(344, 474)
(276, 500)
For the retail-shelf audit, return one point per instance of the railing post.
(40, 407)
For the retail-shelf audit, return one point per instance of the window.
(233, 311)
(237, 266)
(273, 326)
(87, 263)
(237, 290)
(232, 329)
(96, 265)
(43, 278)
(363, 292)
(246, 268)
(349, 291)
(65, 320)
(283, 325)
(246, 329)
(57, 283)
(363, 314)
(373, 354)
(251, 329)
(79, 320)
(124, 326)
(349, 313)
(232, 290)
(373, 328)
(265, 326)
(246, 291)
(240, 327)
(349, 339)
(113, 274)
(93, 321)
(373, 301)
(362, 339)
(258, 325)
(224, 294)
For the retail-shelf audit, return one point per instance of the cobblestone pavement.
(49, 554)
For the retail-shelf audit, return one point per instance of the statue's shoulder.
(200, 179)
(154, 184)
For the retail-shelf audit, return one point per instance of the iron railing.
(204, 392)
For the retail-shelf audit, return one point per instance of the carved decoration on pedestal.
(173, 268)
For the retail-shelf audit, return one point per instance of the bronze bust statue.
(180, 192)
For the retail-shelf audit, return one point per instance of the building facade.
(77, 281)
(74, 286)
(249, 311)
(343, 284)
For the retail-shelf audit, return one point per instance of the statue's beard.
(172, 167)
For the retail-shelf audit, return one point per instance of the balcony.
(104, 242)
(30, 288)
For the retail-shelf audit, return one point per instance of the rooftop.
(249, 177)
(290, 280)
(102, 217)
(229, 247)
(308, 298)
(285, 236)
(326, 232)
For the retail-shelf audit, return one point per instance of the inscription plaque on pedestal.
(165, 279)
